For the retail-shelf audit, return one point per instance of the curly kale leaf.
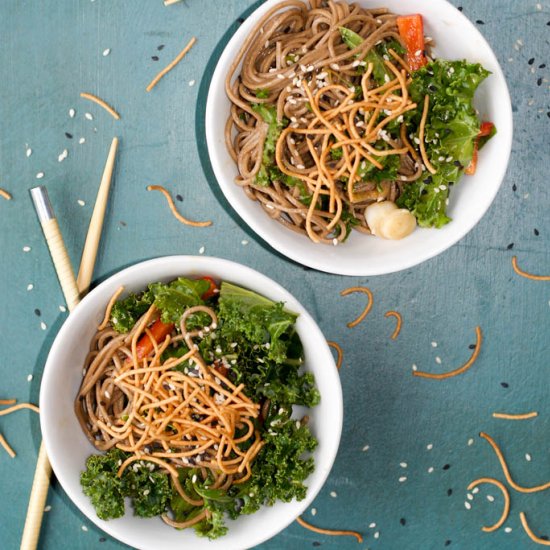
(101, 484)
(148, 488)
(125, 313)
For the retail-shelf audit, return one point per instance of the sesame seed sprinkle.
(29, 378)
(507, 529)
(40, 175)
(84, 528)
(82, 140)
(528, 457)
(72, 113)
(63, 309)
(376, 535)
(490, 498)
(333, 494)
(467, 505)
(26, 249)
(430, 469)
(430, 446)
(28, 152)
(403, 464)
(47, 508)
(313, 511)
(43, 325)
(81, 202)
(372, 525)
(30, 286)
(365, 448)
(192, 82)
(402, 479)
(88, 116)
(106, 52)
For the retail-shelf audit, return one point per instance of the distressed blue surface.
(52, 50)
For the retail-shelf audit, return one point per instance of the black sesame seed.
(542, 66)
(449, 492)
(428, 180)
(179, 198)
(70, 136)
(37, 312)
(102, 539)
(460, 8)
(544, 537)
(316, 543)
(548, 24)
(403, 521)
(160, 48)
(457, 164)
(548, 114)
(505, 384)
(514, 187)
(446, 467)
(124, 224)
(539, 82)
(480, 22)
(472, 346)
(531, 61)
(155, 57)
(510, 246)
(448, 543)
(536, 232)
(240, 20)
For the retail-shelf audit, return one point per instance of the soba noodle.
(296, 61)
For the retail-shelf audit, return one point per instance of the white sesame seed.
(201, 250)
(403, 464)
(333, 494)
(244, 242)
(30, 286)
(107, 394)
(430, 446)
(475, 490)
(414, 367)
(430, 469)
(376, 535)
(300, 167)
(84, 528)
(438, 360)
(372, 525)
(335, 242)
(40, 175)
(528, 457)
(82, 140)
(507, 529)
(467, 505)
(26, 249)
(63, 155)
(88, 116)
(402, 479)
(539, 6)
(490, 498)
(470, 442)
(28, 152)
(81, 202)
(106, 52)
(43, 325)
(29, 378)
(72, 112)
(365, 448)
(434, 344)
(469, 496)
(63, 309)
(47, 508)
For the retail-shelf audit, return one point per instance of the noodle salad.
(188, 390)
(341, 120)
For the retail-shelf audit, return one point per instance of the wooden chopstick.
(43, 471)
(91, 245)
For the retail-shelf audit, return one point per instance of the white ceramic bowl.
(456, 38)
(68, 448)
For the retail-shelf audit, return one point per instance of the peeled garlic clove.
(376, 212)
(397, 224)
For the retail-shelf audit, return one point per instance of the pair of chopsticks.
(72, 289)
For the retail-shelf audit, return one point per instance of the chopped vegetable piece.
(411, 30)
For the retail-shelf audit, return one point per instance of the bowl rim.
(196, 264)
(320, 260)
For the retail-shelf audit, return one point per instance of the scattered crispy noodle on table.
(461, 369)
(399, 320)
(522, 273)
(530, 533)
(174, 210)
(368, 307)
(101, 103)
(339, 351)
(506, 495)
(332, 532)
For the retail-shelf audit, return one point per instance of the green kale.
(276, 175)
(262, 93)
(100, 483)
(275, 127)
(375, 55)
(280, 468)
(172, 299)
(452, 127)
(125, 313)
(256, 318)
(148, 488)
(390, 163)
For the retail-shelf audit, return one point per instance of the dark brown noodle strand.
(331, 532)
(368, 307)
(463, 368)
(295, 62)
(530, 533)
(399, 320)
(505, 494)
(506, 471)
(173, 208)
(527, 275)
(339, 351)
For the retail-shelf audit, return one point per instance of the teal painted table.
(410, 446)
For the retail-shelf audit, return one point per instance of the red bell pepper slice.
(485, 130)
(411, 30)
